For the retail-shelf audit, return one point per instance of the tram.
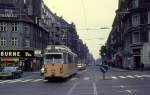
(59, 62)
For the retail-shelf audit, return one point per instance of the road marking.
(36, 80)
(26, 80)
(138, 76)
(86, 78)
(13, 81)
(129, 76)
(121, 86)
(142, 78)
(122, 77)
(129, 91)
(146, 76)
(95, 88)
(72, 88)
(113, 77)
(72, 79)
(5, 81)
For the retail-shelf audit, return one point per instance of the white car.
(10, 72)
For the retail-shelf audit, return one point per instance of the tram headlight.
(53, 70)
(61, 70)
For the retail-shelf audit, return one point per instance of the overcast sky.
(93, 14)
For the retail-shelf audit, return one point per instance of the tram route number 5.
(27, 54)
(104, 69)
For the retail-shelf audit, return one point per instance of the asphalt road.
(86, 82)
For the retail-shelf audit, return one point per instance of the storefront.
(21, 58)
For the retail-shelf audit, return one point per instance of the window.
(135, 3)
(135, 20)
(27, 43)
(149, 17)
(14, 27)
(2, 26)
(2, 41)
(14, 41)
(136, 37)
(26, 30)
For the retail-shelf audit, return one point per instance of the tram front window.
(53, 58)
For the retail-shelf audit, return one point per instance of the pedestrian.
(142, 66)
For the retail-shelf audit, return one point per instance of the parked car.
(10, 72)
(81, 66)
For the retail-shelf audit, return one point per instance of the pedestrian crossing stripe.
(138, 76)
(84, 78)
(20, 80)
(122, 77)
(37, 80)
(27, 80)
(113, 77)
(130, 76)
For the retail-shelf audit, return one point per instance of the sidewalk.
(119, 69)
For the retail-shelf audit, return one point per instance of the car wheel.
(19, 76)
(13, 76)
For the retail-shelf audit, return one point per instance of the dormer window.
(135, 3)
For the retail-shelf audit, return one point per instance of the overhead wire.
(84, 14)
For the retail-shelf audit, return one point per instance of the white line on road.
(86, 78)
(122, 77)
(129, 91)
(146, 76)
(72, 88)
(129, 76)
(37, 80)
(5, 81)
(138, 76)
(113, 77)
(95, 88)
(13, 81)
(26, 80)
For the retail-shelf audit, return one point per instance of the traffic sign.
(104, 68)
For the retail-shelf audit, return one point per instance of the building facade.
(27, 27)
(128, 43)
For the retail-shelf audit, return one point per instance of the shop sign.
(8, 59)
(16, 53)
(8, 13)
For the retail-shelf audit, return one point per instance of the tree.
(103, 54)
(103, 51)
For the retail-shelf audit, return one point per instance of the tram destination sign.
(16, 53)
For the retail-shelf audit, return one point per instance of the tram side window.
(70, 58)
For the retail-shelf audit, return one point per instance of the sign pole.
(103, 76)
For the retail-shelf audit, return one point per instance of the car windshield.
(9, 69)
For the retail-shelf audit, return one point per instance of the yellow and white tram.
(59, 62)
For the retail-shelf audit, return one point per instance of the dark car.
(10, 72)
